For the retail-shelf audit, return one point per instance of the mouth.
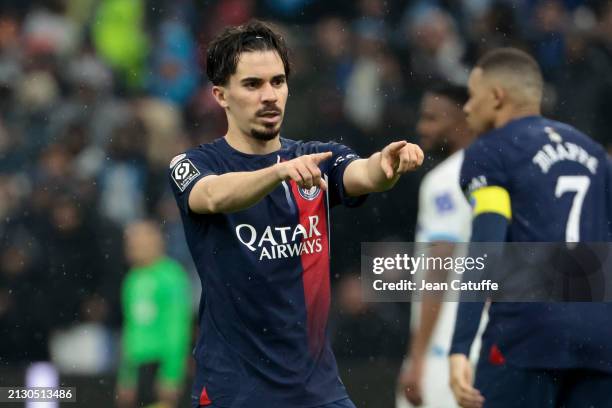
(270, 117)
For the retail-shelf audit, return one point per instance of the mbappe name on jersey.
(549, 155)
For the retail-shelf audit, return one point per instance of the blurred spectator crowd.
(96, 97)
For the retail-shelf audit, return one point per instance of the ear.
(219, 95)
(500, 97)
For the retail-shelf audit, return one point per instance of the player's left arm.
(491, 217)
(381, 171)
(484, 178)
(492, 212)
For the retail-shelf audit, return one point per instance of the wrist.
(278, 170)
(416, 362)
(457, 356)
(377, 174)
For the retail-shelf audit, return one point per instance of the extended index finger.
(319, 157)
(397, 146)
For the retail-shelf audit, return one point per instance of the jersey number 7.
(579, 185)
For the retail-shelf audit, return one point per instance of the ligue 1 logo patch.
(184, 173)
(309, 193)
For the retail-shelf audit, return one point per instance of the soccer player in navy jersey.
(255, 209)
(531, 179)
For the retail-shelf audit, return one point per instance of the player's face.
(256, 94)
(480, 108)
(437, 120)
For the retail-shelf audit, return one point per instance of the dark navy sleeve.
(482, 166)
(466, 327)
(485, 228)
(185, 171)
(334, 168)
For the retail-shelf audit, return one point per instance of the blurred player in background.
(444, 219)
(157, 322)
(531, 179)
(255, 208)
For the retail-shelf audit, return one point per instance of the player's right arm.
(237, 191)
(431, 303)
(441, 224)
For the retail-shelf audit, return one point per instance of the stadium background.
(96, 97)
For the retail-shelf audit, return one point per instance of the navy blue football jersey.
(556, 177)
(265, 278)
(558, 181)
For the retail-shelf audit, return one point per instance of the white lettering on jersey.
(273, 242)
(477, 182)
(549, 155)
(251, 241)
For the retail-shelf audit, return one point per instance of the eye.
(250, 85)
(278, 81)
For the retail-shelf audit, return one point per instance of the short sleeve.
(334, 168)
(185, 171)
(482, 167)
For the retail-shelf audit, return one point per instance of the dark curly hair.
(224, 50)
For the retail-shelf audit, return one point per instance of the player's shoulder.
(204, 154)
(195, 163)
(507, 142)
(486, 150)
(577, 136)
(201, 150)
(342, 155)
(446, 172)
(313, 146)
(484, 145)
(484, 162)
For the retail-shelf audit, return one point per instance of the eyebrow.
(259, 80)
(250, 79)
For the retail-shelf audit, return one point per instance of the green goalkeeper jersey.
(157, 320)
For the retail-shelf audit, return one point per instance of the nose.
(466, 108)
(268, 93)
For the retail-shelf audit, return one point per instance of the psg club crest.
(309, 193)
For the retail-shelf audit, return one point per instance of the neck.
(516, 112)
(143, 263)
(248, 144)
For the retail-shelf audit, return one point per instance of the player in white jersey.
(444, 219)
